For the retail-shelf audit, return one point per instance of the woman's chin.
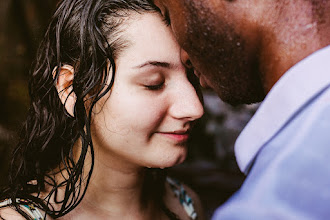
(173, 161)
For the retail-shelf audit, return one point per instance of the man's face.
(222, 45)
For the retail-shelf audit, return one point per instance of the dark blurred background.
(210, 169)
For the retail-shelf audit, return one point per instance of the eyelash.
(154, 87)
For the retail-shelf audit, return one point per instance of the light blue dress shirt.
(285, 149)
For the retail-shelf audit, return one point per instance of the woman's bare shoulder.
(9, 213)
(196, 201)
(173, 202)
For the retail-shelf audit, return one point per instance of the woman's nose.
(186, 103)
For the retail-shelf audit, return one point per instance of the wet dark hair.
(85, 34)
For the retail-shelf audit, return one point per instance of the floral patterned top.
(26, 206)
(175, 185)
(184, 198)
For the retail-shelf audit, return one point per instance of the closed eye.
(154, 87)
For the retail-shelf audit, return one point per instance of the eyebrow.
(154, 64)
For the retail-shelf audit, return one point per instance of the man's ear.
(63, 84)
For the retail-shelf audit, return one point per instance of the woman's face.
(146, 117)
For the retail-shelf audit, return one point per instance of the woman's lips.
(179, 137)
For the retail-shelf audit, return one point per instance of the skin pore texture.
(241, 48)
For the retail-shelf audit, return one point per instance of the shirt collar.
(292, 90)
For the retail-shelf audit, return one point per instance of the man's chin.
(239, 99)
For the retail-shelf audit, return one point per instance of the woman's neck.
(115, 191)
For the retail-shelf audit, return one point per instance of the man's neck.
(292, 34)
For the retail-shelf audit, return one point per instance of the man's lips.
(202, 81)
(197, 73)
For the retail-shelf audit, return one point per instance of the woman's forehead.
(149, 40)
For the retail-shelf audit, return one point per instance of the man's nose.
(185, 59)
